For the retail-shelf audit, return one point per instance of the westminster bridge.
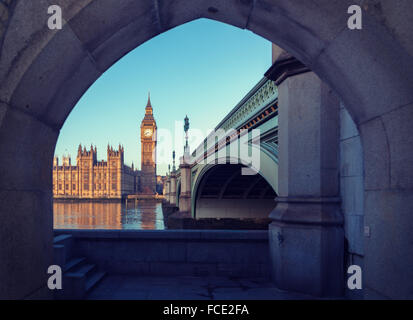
(211, 183)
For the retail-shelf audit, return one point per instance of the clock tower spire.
(148, 150)
(148, 108)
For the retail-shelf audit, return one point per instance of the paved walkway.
(188, 288)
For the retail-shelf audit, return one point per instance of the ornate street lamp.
(186, 128)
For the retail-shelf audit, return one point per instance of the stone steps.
(61, 238)
(79, 276)
(94, 279)
(84, 270)
(73, 263)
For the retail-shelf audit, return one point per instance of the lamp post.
(186, 128)
(173, 161)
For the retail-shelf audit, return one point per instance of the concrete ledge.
(235, 253)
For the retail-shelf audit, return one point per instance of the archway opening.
(43, 74)
(117, 100)
(224, 192)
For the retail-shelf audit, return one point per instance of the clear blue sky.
(203, 69)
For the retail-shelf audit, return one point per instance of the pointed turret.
(148, 109)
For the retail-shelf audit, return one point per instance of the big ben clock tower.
(148, 152)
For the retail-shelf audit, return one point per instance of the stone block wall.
(175, 252)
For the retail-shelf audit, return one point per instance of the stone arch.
(223, 192)
(268, 169)
(43, 73)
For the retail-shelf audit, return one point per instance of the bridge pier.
(166, 190)
(306, 233)
(185, 195)
(168, 208)
(172, 192)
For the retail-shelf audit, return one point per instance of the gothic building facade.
(91, 178)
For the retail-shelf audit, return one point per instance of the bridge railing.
(258, 106)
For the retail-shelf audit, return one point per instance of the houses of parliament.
(111, 179)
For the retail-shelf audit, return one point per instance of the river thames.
(145, 215)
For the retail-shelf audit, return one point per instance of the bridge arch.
(43, 73)
(223, 192)
(267, 169)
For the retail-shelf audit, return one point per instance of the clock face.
(147, 132)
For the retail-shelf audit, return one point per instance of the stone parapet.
(195, 252)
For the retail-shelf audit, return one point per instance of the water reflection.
(101, 215)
